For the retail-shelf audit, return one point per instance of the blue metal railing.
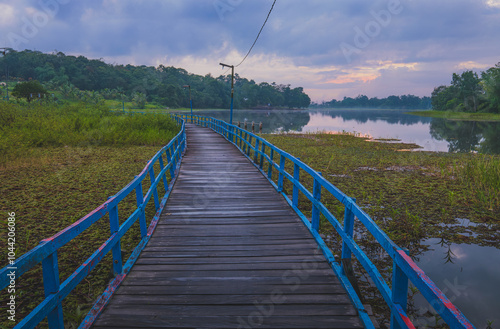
(404, 269)
(47, 251)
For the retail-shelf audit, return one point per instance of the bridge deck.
(228, 252)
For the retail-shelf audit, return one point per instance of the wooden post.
(315, 210)
(51, 285)
(281, 173)
(260, 128)
(164, 177)
(245, 124)
(239, 124)
(349, 230)
(253, 127)
(270, 168)
(256, 151)
(263, 151)
(155, 190)
(296, 176)
(142, 217)
(114, 226)
(399, 290)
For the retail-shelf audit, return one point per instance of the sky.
(330, 48)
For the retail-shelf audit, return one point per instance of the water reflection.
(429, 133)
(468, 276)
(467, 136)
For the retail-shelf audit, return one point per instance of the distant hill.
(161, 85)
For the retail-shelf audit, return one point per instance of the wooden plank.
(236, 299)
(228, 252)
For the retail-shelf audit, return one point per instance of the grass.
(24, 129)
(450, 115)
(55, 174)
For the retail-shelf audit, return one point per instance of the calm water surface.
(469, 275)
(430, 133)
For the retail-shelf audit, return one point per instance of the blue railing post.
(270, 168)
(240, 138)
(399, 291)
(142, 217)
(349, 230)
(263, 151)
(114, 226)
(155, 190)
(172, 167)
(51, 285)
(315, 209)
(296, 176)
(256, 151)
(164, 177)
(249, 145)
(281, 173)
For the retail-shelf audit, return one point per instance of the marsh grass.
(481, 175)
(58, 164)
(23, 128)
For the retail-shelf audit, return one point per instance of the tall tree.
(491, 85)
(468, 87)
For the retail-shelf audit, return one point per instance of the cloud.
(407, 52)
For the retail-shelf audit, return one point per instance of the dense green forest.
(391, 102)
(470, 93)
(94, 79)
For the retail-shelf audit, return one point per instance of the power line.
(258, 35)
(257, 38)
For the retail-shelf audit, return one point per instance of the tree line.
(391, 102)
(470, 93)
(162, 85)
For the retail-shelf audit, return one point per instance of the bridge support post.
(256, 151)
(155, 191)
(281, 173)
(139, 196)
(315, 210)
(51, 285)
(164, 177)
(399, 290)
(296, 177)
(270, 168)
(263, 151)
(249, 145)
(349, 230)
(172, 167)
(114, 226)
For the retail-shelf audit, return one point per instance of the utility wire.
(258, 35)
(257, 38)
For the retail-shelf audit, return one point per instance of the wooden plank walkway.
(228, 252)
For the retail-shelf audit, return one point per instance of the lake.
(431, 134)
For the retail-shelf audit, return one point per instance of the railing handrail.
(404, 268)
(46, 251)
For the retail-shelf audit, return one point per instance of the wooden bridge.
(228, 251)
(227, 248)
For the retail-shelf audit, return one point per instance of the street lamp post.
(190, 99)
(4, 52)
(232, 90)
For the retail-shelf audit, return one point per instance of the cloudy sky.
(331, 48)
